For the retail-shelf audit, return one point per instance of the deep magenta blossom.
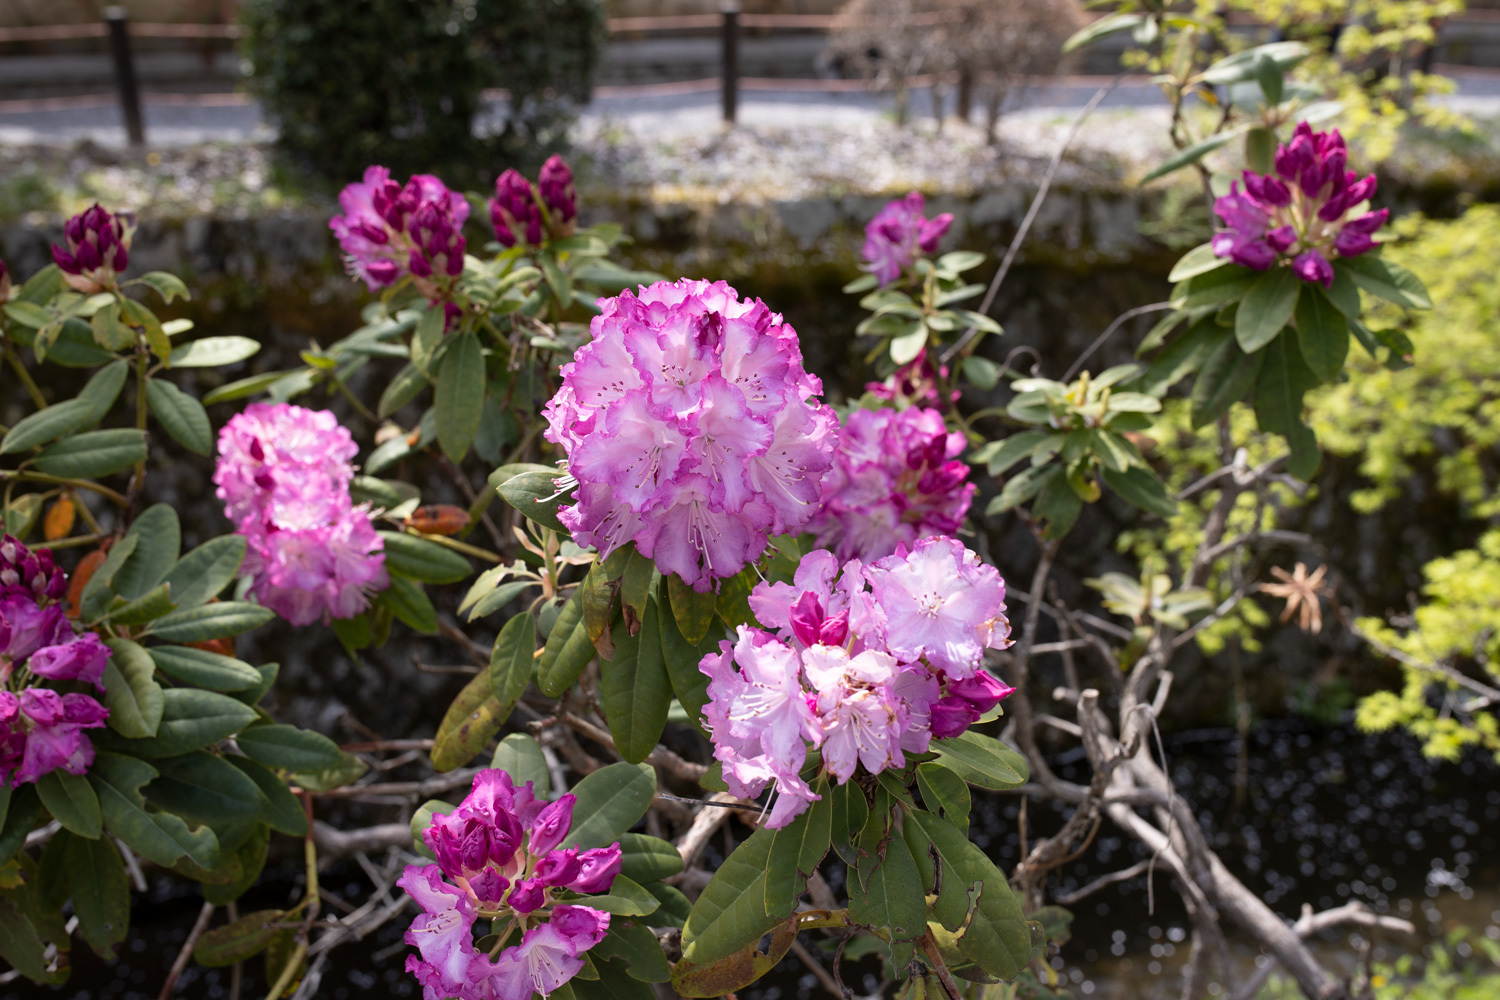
(1309, 212)
(514, 211)
(387, 230)
(283, 474)
(692, 429)
(555, 185)
(899, 233)
(896, 478)
(848, 668)
(96, 248)
(500, 850)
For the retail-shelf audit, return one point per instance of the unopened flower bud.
(514, 212)
(555, 183)
(97, 248)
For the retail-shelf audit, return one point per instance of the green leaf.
(674, 908)
(205, 787)
(250, 858)
(459, 399)
(1057, 506)
(1260, 142)
(1022, 487)
(143, 609)
(213, 352)
(796, 852)
(945, 793)
(1322, 334)
(681, 659)
(1110, 24)
(204, 669)
(57, 420)
(892, 897)
(410, 604)
(1227, 374)
(183, 416)
(567, 652)
(624, 899)
(598, 595)
(97, 595)
(238, 940)
(131, 694)
(693, 611)
(1344, 293)
(1199, 260)
(1214, 288)
(405, 387)
(25, 933)
(159, 538)
(733, 602)
(473, 719)
(1191, 154)
(22, 808)
(1140, 488)
(520, 756)
(535, 495)
(349, 769)
(850, 810)
(1282, 383)
(72, 802)
(244, 387)
(983, 761)
(906, 347)
(204, 572)
(428, 337)
(93, 455)
(1387, 280)
(638, 948)
(512, 661)
(1183, 356)
(191, 719)
(1245, 65)
(1266, 308)
(420, 559)
(211, 621)
(998, 456)
(161, 838)
(614, 982)
(289, 748)
(634, 690)
(610, 801)
(635, 587)
(285, 812)
(647, 859)
(252, 696)
(100, 890)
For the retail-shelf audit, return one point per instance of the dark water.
(1326, 816)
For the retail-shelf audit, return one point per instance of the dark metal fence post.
(130, 95)
(731, 11)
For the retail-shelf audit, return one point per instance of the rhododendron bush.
(713, 597)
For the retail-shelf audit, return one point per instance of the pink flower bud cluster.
(501, 853)
(516, 209)
(896, 478)
(283, 474)
(96, 248)
(865, 666)
(913, 384)
(899, 233)
(1311, 210)
(692, 430)
(389, 230)
(41, 730)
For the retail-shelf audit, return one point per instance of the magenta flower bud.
(1311, 266)
(97, 248)
(597, 869)
(528, 895)
(807, 618)
(932, 231)
(551, 825)
(1267, 189)
(489, 887)
(581, 926)
(558, 868)
(951, 716)
(514, 212)
(983, 691)
(1281, 239)
(1355, 238)
(555, 184)
(1361, 190)
(77, 659)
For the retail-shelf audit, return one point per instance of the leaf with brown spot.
(473, 719)
(736, 971)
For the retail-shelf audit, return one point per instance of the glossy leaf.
(284, 812)
(204, 572)
(1266, 308)
(610, 802)
(459, 400)
(131, 693)
(1279, 390)
(944, 793)
(205, 787)
(535, 495)
(1183, 356)
(1192, 154)
(1140, 488)
(473, 719)
(567, 652)
(93, 455)
(624, 899)
(1387, 280)
(158, 537)
(72, 802)
(421, 559)
(637, 949)
(158, 837)
(892, 897)
(521, 757)
(101, 892)
(1226, 376)
(43, 426)
(238, 940)
(648, 859)
(693, 611)
(211, 621)
(201, 668)
(181, 415)
(289, 748)
(850, 809)
(635, 587)
(512, 661)
(634, 690)
(983, 761)
(796, 852)
(681, 659)
(191, 719)
(1322, 334)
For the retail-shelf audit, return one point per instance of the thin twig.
(186, 951)
(816, 968)
(1109, 331)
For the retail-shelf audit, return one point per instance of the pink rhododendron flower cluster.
(283, 474)
(388, 230)
(96, 248)
(516, 209)
(896, 478)
(866, 666)
(500, 852)
(692, 430)
(898, 233)
(41, 730)
(1310, 211)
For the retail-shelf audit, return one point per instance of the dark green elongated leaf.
(610, 801)
(567, 652)
(213, 352)
(520, 756)
(252, 696)
(634, 690)
(460, 395)
(944, 793)
(201, 668)
(1387, 280)
(850, 810)
(1199, 260)
(72, 802)
(236, 941)
(21, 944)
(997, 938)
(244, 387)
(203, 786)
(648, 859)
(499, 597)
(674, 908)
(1283, 382)
(200, 575)
(93, 455)
(183, 416)
(733, 604)
(1227, 374)
(1322, 334)
(23, 806)
(796, 852)
(57, 420)
(1266, 308)
(997, 456)
(250, 857)
(210, 621)
(635, 586)
(147, 608)
(1191, 154)
(421, 559)
(637, 948)
(1022, 487)
(615, 981)
(535, 495)
(625, 899)
(131, 693)
(1344, 293)
(892, 896)
(98, 592)
(512, 661)
(694, 611)
(599, 595)
(405, 387)
(682, 658)
(1182, 356)
(167, 285)
(159, 537)
(1057, 506)
(1140, 488)
(284, 812)
(409, 603)
(473, 719)
(289, 748)
(191, 719)
(1215, 288)
(159, 837)
(983, 761)
(100, 891)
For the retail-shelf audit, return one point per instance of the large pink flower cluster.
(283, 474)
(896, 478)
(388, 230)
(500, 851)
(41, 730)
(866, 666)
(692, 430)
(898, 233)
(1312, 210)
